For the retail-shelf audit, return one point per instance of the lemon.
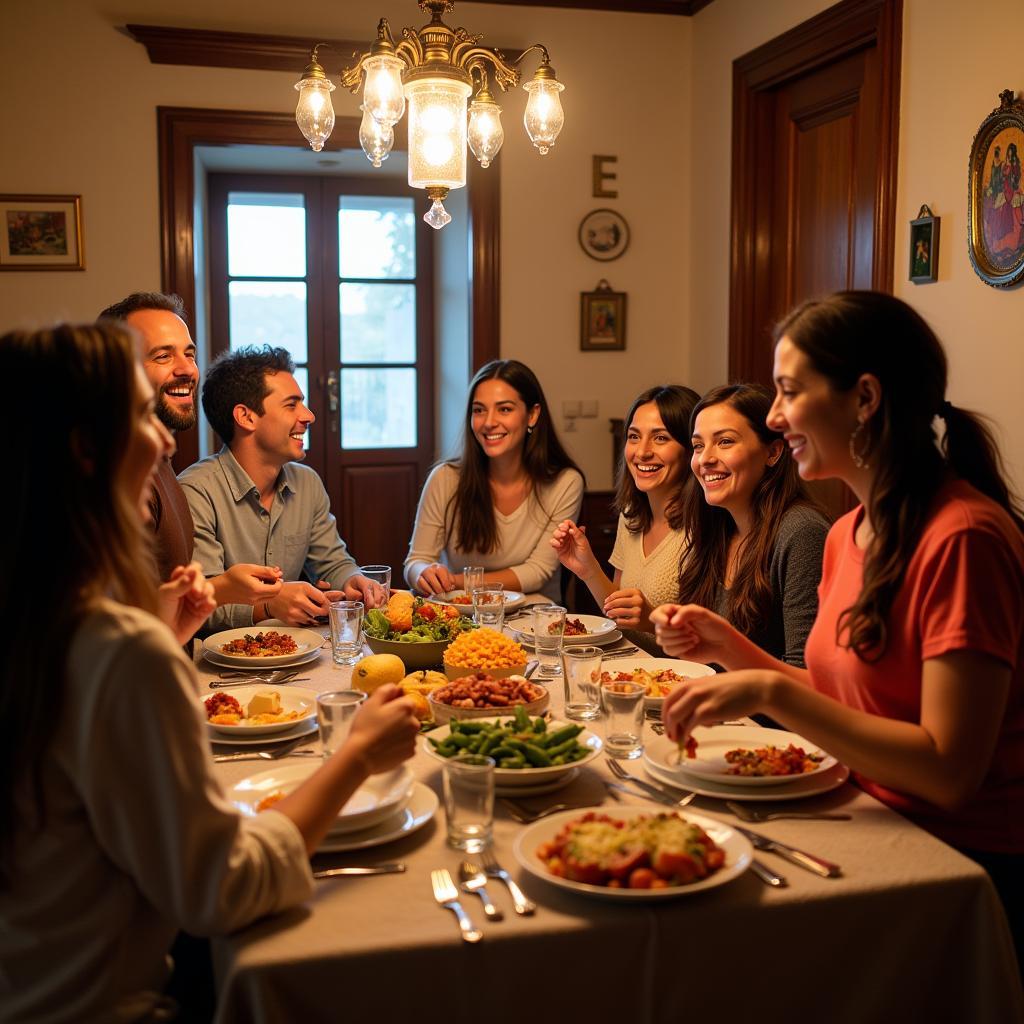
(377, 670)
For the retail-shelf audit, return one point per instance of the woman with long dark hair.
(755, 537)
(653, 477)
(498, 502)
(915, 665)
(113, 832)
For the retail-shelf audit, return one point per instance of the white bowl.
(514, 778)
(444, 712)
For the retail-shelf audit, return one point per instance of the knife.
(395, 868)
(766, 874)
(808, 861)
(660, 798)
(252, 755)
(657, 792)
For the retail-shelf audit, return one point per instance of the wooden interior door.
(815, 120)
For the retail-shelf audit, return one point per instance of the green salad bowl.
(428, 654)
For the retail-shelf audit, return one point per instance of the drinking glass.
(548, 628)
(469, 801)
(381, 575)
(472, 577)
(582, 686)
(346, 631)
(334, 712)
(623, 706)
(489, 605)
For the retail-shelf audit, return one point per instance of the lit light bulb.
(437, 134)
(382, 94)
(375, 138)
(314, 113)
(485, 131)
(543, 116)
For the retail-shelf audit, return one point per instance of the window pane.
(302, 379)
(268, 313)
(378, 408)
(266, 235)
(377, 236)
(378, 323)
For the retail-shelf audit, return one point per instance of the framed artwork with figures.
(41, 233)
(602, 319)
(995, 193)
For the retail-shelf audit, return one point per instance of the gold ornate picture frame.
(995, 195)
(602, 319)
(39, 232)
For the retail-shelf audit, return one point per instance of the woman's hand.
(690, 631)
(710, 699)
(628, 609)
(186, 601)
(574, 550)
(384, 730)
(435, 579)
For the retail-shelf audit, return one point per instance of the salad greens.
(430, 623)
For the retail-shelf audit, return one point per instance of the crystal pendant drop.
(437, 216)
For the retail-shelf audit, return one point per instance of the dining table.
(909, 930)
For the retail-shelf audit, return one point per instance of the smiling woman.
(756, 538)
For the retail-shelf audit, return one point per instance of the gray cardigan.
(795, 571)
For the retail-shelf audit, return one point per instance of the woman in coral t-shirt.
(915, 664)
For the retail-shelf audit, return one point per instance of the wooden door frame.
(835, 33)
(181, 129)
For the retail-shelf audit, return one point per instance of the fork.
(619, 772)
(746, 814)
(526, 817)
(494, 870)
(447, 896)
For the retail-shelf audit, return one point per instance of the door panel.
(814, 174)
(378, 505)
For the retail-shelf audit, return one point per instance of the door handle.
(332, 397)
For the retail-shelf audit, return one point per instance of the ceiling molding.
(684, 8)
(249, 50)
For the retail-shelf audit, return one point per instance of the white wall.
(88, 126)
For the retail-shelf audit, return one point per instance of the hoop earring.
(859, 459)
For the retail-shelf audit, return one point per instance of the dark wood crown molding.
(684, 8)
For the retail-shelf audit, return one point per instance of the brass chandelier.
(435, 70)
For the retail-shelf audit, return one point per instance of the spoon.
(474, 880)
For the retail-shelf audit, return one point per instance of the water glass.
(582, 683)
(346, 631)
(381, 575)
(472, 577)
(469, 801)
(489, 605)
(335, 712)
(623, 706)
(548, 629)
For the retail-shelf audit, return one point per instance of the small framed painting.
(602, 319)
(604, 235)
(995, 195)
(41, 233)
(924, 247)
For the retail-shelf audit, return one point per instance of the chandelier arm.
(536, 46)
(505, 75)
(410, 49)
(351, 77)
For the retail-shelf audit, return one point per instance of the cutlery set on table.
(473, 879)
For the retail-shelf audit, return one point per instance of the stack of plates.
(600, 631)
(707, 773)
(307, 642)
(384, 808)
(513, 599)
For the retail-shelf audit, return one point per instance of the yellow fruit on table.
(423, 681)
(420, 705)
(377, 670)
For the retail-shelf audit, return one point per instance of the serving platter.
(294, 698)
(690, 669)
(738, 855)
(306, 642)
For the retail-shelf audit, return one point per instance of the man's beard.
(171, 418)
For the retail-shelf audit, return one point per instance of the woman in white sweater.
(653, 476)
(497, 503)
(113, 832)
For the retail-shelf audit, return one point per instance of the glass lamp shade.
(485, 132)
(543, 116)
(437, 132)
(375, 138)
(382, 94)
(314, 113)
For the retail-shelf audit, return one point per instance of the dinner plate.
(513, 781)
(606, 640)
(378, 798)
(800, 788)
(738, 855)
(713, 742)
(292, 699)
(691, 669)
(597, 627)
(513, 599)
(306, 640)
(422, 806)
(303, 727)
(224, 662)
